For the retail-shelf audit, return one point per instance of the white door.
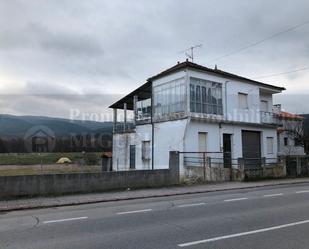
(202, 141)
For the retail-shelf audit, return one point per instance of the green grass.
(59, 169)
(46, 158)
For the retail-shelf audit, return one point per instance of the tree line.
(73, 143)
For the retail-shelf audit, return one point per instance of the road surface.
(270, 217)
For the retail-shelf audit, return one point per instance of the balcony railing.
(269, 118)
(120, 128)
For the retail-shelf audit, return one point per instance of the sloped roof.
(188, 64)
(144, 91)
(288, 115)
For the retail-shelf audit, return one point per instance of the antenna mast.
(190, 51)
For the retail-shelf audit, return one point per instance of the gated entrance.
(208, 166)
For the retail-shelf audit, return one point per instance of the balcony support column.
(135, 99)
(114, 119)
(125, 117)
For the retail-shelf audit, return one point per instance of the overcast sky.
(59, 55)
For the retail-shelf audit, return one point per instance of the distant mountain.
(17, 126)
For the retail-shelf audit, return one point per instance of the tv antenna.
(189, 52)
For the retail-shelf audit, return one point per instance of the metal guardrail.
(119, 128)
(269, 118)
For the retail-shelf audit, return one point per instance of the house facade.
(192, 108)
(290, 133)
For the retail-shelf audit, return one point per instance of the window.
(270, 145)
(169, 97)
(285, 141)
(243, 101)
(132, 156)
(264, 106)
(146, 150)
(205, 96)
(143, 109)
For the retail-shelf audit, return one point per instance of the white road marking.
(244, 233)
(236, 199)
(302, 191)
(62, 220)
(135, 211)
(191, 205)
(273, 195)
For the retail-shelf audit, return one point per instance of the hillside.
(16, 126)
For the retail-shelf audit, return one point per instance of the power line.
(287, 72)
(259, 42)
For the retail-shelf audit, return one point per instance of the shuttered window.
(243, 101)
(270, 145)
(146, 150)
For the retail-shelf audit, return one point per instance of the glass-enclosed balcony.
(143, 111)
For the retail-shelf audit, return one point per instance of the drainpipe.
(135, 99)
(226, 99)
(152, 131)
(125, 117)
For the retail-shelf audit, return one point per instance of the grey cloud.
(35, 35)
(94, 46)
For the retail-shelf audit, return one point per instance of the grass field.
(92, 158)
(11, 170)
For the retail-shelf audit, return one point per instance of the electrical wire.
(282, 73)
(236, 51)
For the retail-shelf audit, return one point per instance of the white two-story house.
(192, 108)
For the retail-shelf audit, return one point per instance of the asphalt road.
(270, 217)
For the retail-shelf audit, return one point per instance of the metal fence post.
(209, 164)
(204, 166)
(263, 164)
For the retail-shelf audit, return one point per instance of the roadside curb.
(102, 200)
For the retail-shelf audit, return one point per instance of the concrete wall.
(58, 184)
(215, 137)
(169, 136)
(121, 150)
(199, 174)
